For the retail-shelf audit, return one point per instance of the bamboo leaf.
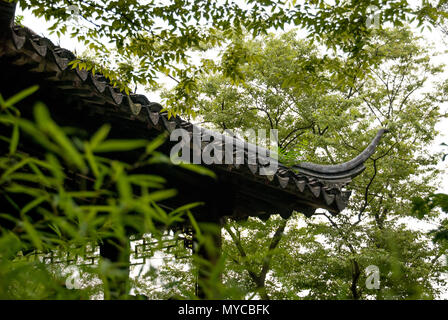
(119, 145)
(20, 96)
(14, 139)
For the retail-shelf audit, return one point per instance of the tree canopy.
(150, 38)
(326, 121)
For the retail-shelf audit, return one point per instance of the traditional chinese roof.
(26, 58)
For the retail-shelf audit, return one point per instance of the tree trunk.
(355, 277)
(260, 279)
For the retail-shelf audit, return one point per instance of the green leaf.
(99, 136)
(187, 207)
(86, 194)
(147, 180)
(91, 159)
(195, 225)
(15, 167)
(161, 195)
(119, 145)
(198, 169)
(20, 96)
(14, 139)
(45, 123)
(33, 204)
(156, 143)
(33, 234)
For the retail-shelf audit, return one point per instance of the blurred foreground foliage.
(69, 197)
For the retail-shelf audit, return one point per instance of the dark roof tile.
(316, 176)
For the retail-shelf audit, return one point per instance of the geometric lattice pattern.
(173, 244)
(88, 255)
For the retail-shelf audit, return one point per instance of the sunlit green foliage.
(430, 206)
(324, 120)
(149, 38)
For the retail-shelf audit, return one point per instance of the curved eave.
(312, 185)
(344, 171)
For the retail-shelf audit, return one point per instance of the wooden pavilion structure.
(79, 98)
